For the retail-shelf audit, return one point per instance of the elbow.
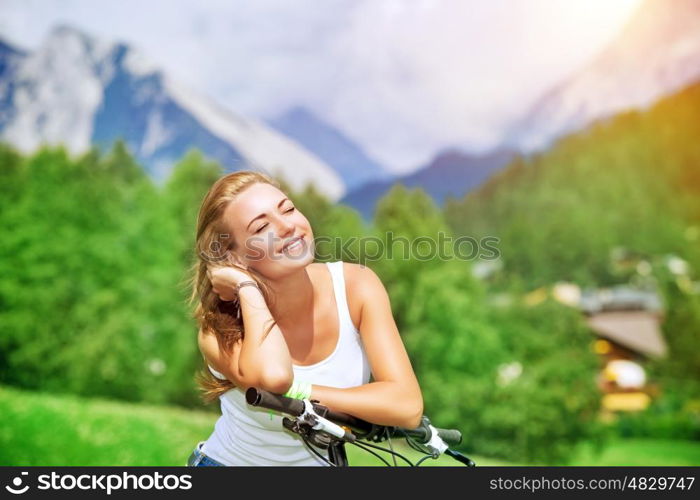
(413, 414)
(414, 421)
(277, 382)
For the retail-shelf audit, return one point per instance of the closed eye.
(291, 209)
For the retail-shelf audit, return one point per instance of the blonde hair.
(214, 244)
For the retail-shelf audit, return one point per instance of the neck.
(293, 297)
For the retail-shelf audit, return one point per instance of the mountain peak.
(449, 157)
(330, 144)
(656, 54)
(298, 112)
(63, 33)
(79, 90)
(452, 173)
(68, 45)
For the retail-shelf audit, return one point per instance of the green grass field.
(52, 430)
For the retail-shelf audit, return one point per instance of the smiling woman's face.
(271, 236)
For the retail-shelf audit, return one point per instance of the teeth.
(293, 244)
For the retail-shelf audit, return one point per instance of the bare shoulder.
(362, 274)
(362, 286)
(359, 276)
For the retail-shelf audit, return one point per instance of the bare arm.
(258, 360)
(394, 398)
(265, 360)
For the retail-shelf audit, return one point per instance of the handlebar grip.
(450, 436)
(422, 433)
(271, 401)
(295, 407)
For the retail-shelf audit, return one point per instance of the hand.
(224, 280)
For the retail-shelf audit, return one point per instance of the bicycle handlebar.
(295, 407)
(422, 432)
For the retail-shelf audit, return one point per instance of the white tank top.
(246, 435)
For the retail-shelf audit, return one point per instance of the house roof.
(638, 331)
(619, 298)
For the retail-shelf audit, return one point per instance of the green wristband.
(298, 390)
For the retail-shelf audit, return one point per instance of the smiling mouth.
(293, 244)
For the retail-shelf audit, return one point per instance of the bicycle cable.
(393, 453)
(410, 441)
(391, 446)
(362, 447)
(415, 445)
(423, 459)
(366, 447)
(310, 447)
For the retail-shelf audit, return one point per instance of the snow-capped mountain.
(331, 145)
(656, 54)
(10, 60)
(78, 90)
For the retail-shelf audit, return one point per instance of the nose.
(286, 228)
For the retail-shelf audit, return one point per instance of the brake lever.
(461, 458)
(320, 423)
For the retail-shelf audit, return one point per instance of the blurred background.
(566, 130)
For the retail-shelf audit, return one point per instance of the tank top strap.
(338, 276)
(216, 374)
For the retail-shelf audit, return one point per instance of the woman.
(270, 317)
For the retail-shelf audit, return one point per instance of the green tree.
(407, 229)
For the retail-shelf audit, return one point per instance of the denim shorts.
(199, 459)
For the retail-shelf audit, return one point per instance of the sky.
(403, 78)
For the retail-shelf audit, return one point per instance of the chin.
(297, 261)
